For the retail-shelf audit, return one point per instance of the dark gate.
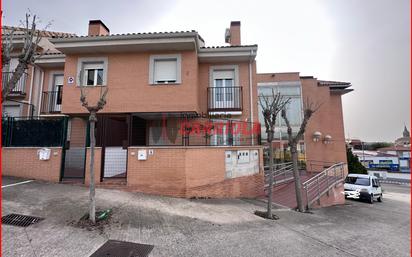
(75, 149)
(113, 136)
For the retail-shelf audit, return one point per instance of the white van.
(358, 186)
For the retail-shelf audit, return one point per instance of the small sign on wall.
(70, 80)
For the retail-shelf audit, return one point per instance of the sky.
(364, 42)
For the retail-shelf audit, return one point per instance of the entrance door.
(115, 142)
(56, 94)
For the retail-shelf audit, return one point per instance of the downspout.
(41, 90)
(31, 92)
(251, 94)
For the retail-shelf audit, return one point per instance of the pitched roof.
(43, 33)
(143, 34)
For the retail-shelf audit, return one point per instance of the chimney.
(232, 35)
(98, 28)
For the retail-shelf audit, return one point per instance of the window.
(357, 181)
(293, 109)
(93, 74)
(224, 85)
(93, 71)
(165, 69)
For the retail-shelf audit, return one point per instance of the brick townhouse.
(181, 119)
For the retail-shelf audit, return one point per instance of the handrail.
(321, 183)
(283, 171)
(20, 87)
(225, 98)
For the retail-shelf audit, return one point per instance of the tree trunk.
(92, 207)
(270, 188)
(12, 81)
(298, 184)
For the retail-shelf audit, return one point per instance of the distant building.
(402, 152)
(405, 140)
(378, 160)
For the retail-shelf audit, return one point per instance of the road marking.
(16, 184)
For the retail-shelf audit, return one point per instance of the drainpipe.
(31, 91)
(41, 90)
(251, 93)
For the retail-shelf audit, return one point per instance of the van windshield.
(357, 181)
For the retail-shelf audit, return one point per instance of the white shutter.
(58, 80)
(165, 70)
(224, 74)
(93, 66)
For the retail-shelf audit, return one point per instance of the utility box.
(142, 155)
(243, 156)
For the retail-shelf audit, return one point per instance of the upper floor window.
(165, 69)
(93, 71)
(93, 74)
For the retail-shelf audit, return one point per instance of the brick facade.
(184, 172)
(24, 162)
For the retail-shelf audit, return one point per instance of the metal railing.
(51, 101)
(20, 88)
(319, 185)
(317, 165)
(282, 172)
(202, 132)
(224, 99)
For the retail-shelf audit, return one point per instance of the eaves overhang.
(128, 43)
(51, 60)
(225, 54)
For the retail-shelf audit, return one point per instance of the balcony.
(224, 99)
(51, 101)
(20, 88)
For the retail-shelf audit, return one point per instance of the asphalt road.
(180, 227)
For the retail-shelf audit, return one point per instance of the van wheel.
(371, 199)
(380, 198)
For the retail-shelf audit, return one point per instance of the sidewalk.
(182, 227)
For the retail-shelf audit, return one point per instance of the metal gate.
(75, 149)
(113, 134)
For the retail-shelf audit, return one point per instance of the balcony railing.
(51, 101)
(20, 88)
(224, 99)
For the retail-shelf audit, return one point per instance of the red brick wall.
(24, 162)
(127, 78)
(189, 172)
(162, 173)
(328, 120)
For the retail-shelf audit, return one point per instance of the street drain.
(19, 220)
(123, 249)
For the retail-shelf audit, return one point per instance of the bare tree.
(31, 38)
(92, 120)
(308, 110)
(271, 106)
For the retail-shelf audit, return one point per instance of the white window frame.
(81, 78)
(154, 58)
(218, 68)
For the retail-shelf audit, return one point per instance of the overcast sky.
(364, 42)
